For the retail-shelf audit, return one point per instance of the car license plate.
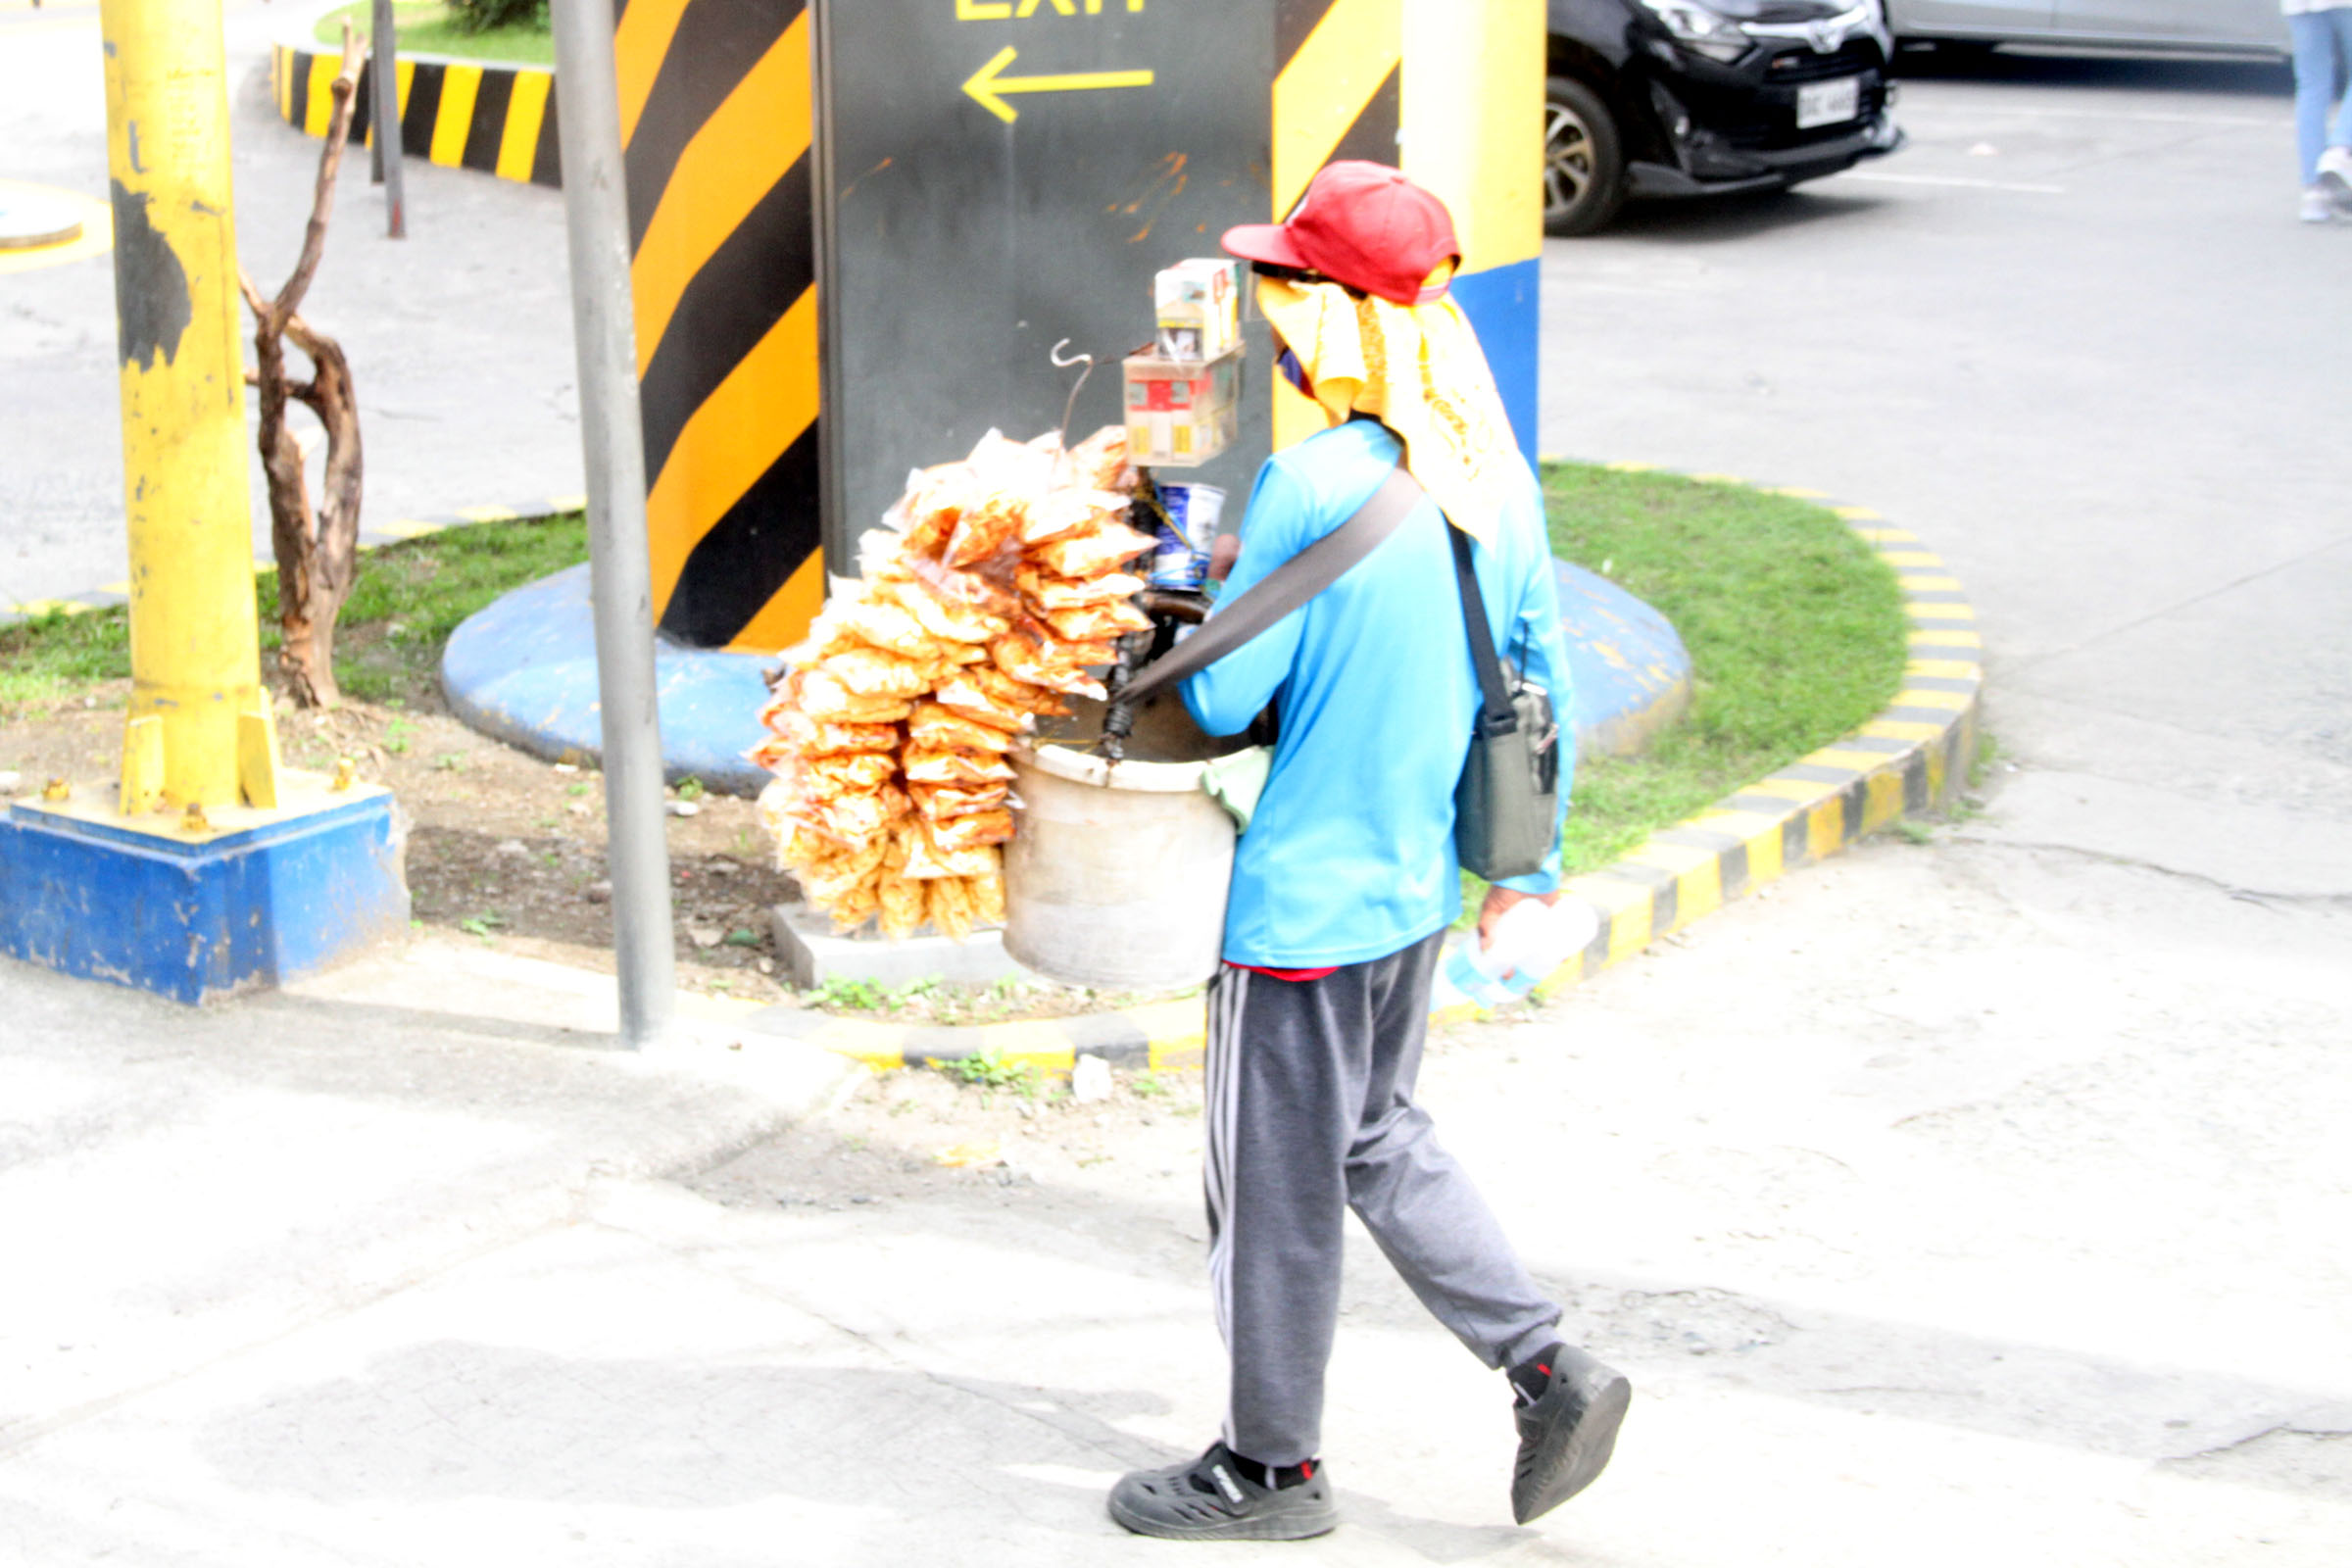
(1829, 103)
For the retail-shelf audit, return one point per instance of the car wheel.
(1584, 161)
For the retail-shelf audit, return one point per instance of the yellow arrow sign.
(989, 88)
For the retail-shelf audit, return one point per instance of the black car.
(1697, 97)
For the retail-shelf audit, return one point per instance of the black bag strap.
(1495, 714)
(1284, 588)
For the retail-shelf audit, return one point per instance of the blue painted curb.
(523, 670)
(1630, 672)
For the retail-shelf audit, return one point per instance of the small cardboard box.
(1181, 411)
(1198, 305)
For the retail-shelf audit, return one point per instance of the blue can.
(1193, 512)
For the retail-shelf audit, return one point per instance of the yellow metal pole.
(200, 729)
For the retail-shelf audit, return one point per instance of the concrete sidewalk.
(1906, 1268)
(178, 1187)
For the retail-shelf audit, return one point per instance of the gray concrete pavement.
(460, 336)
(1977, 1201)
(1929, 1231)
(176, 1185)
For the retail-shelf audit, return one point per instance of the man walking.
(1347, 880)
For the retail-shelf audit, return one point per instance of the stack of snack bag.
(993, 589)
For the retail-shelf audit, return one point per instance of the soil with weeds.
(502, 847)
(510, 850)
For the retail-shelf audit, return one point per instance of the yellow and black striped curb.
(116, 594)
(465, 113)
(1914, 755)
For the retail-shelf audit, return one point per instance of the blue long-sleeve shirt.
(1349, 854)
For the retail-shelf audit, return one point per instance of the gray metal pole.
(605, 334)
(384, 44)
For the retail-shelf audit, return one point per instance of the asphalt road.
(2074, 337)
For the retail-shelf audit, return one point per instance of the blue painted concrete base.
(88, 893)
(523, 670)
(1632, 673)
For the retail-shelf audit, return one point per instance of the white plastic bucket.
(1116, 874)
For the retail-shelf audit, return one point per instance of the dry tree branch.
(315, 556)
(345, 90)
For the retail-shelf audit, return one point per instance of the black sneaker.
(1567, 1434)
(1208, 1498)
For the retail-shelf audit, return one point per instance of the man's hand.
(1223, 551)
(1498, 903)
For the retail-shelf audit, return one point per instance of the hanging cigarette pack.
(1198, 308)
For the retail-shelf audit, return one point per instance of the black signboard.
(996, 177)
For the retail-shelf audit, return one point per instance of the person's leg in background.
(2334, 167)
(2314, 36)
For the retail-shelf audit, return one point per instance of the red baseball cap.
(1362, 225)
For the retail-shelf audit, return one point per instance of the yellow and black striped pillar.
(715, 124)
(1338, 68)
(1453, 95)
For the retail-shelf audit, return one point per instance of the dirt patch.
(510, 850)
(917, 1134)
(920, 1134)
(502, 847)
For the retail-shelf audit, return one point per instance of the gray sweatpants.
(1310, 1111)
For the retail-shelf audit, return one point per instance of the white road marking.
(2132, 116)
(1957, 183)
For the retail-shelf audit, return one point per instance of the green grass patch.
(430, 28)
(407, 599)
(1796, 629)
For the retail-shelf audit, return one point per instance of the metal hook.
(1060, 364)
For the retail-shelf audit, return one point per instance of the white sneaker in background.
(2335, 177)
(2318, 206)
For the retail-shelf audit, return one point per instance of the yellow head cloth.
(1419, 370)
